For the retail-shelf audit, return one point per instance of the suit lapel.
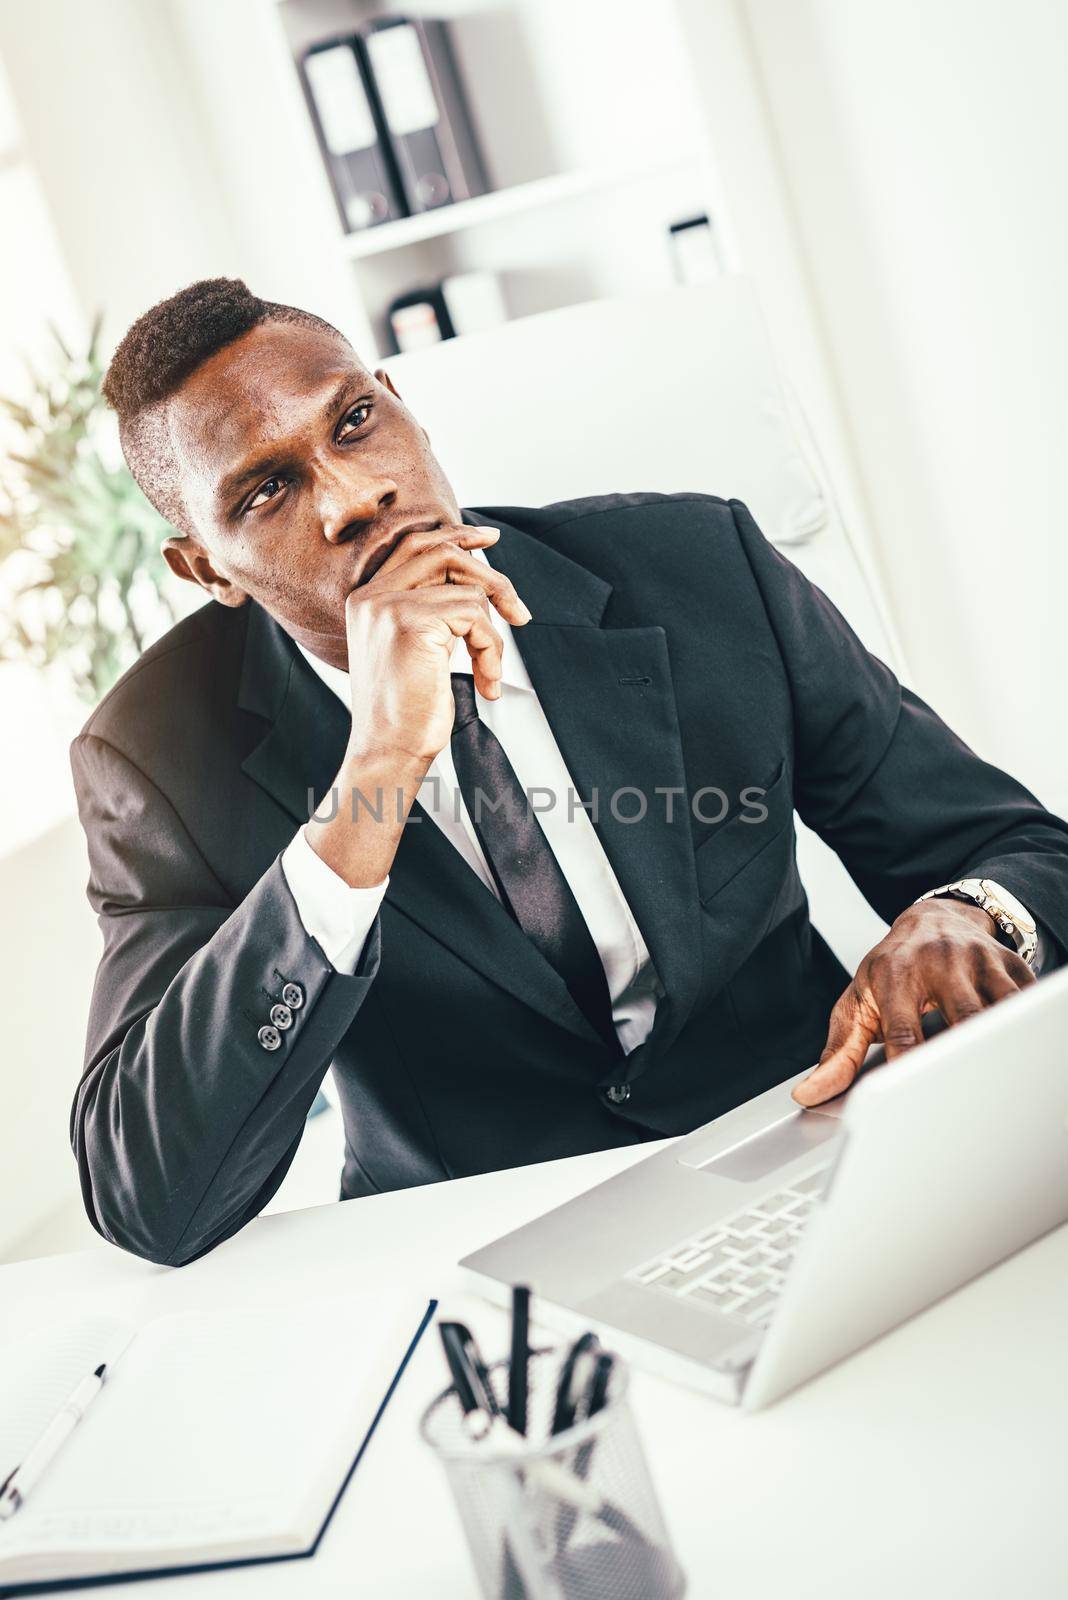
(299, 755)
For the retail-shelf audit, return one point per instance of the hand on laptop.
(940, 955)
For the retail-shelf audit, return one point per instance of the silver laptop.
(769, 1244)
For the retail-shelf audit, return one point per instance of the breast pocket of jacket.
(758, 834)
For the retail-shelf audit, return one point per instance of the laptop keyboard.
(738, 1266)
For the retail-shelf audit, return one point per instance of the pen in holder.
(570, 1515)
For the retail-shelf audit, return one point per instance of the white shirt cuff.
(332, 911)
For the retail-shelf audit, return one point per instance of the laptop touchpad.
(762, 1153)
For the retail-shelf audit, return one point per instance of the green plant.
(80, 571)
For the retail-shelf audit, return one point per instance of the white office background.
(889, 174)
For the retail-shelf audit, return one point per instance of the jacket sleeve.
(904, 802)
(183, 1124)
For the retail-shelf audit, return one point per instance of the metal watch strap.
(974, 891)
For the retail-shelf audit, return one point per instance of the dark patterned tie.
(527, 874)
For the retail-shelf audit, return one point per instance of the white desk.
(930, 1465)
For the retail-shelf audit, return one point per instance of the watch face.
(1010, 906)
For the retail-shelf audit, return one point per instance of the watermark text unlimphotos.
(626, 805)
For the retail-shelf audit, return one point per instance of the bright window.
(37, 712)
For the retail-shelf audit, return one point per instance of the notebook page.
(38, 1375)
(218, 1435)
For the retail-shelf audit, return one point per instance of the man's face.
(299, 470)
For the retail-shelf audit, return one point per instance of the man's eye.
(267, 490)
(354, 419)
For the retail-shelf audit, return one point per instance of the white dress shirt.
(340, 917)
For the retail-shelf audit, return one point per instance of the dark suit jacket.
(672, 648)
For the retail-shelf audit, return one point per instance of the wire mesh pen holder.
(570, 1516)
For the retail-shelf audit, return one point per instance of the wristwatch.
(1010, 917)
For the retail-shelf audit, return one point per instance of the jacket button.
(282, 1017)
(293, 996)
(618, 1093)
(269, 1037)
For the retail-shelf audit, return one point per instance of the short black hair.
(158, 353)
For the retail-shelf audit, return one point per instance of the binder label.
(403, 80)
(337, 89)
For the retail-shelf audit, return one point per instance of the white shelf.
(500, 203)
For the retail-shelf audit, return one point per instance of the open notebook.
(217, 1438)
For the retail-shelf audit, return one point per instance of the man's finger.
(854, 1026)
(411, 545)
(484, 644)
(440, 558)
(461, 533)
(454, 612)
(902, 1026)
(416, 543)
(456, 566)
(997, 964)
(900, 995)
(995, 983)
(958, 998)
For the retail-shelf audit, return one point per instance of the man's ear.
(188, 559)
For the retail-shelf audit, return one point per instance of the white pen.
(552, 1476)
(17, 1484)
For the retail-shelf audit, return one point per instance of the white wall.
(923, 151)
(49, 946)
(755, 218)
(112, 131)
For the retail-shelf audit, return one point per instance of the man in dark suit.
(547, 901)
